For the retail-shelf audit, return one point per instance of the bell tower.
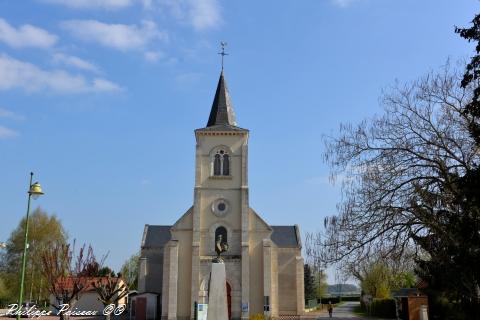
(221, 203)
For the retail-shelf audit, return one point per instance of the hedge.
(384, 308)
(351, 298)
(333, 300)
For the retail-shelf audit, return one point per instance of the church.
(264, 264)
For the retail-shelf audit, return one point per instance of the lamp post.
(34, 191)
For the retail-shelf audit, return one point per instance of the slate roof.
(222, 108)
(156, 236)
(286, 236)
(282, 236)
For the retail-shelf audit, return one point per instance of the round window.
(220, 207)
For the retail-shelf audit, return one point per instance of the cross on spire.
(223, 54)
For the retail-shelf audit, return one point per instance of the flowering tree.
(65, 273)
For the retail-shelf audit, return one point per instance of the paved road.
(342, 312)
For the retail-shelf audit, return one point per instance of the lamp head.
(35, 190)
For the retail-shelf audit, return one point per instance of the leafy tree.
(469, 186)
(129, 271)
(8, 282)
(309, 282)
(379, 280)
(321, 285)
(4, 293)
(44, 230)
(106, 272)
(403, 280)
(472, 75)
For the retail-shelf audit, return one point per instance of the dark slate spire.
(222, 108)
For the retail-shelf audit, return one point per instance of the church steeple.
(222, 109)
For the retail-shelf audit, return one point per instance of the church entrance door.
(229, 300)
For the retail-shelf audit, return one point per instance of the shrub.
(351, 298)
(312, 303)
(258, 316)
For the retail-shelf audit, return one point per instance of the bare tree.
(65, 273)
(395, 170)
(110, 290)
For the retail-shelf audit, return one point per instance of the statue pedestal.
(217, 294)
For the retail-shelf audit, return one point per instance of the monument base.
(217, 293)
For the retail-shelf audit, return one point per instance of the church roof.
(222, 109)
(286, 236)
(282, 236)
(156, 236)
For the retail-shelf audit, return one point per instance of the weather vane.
(223, 54)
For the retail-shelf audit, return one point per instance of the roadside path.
(342, 312)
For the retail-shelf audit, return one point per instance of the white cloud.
(153, 56)
(25, 36)
(19, 74)
(118, 36)
(201, 14)
(100, 84)
(6, 133)
(147, 4)
(343, 3)
(204, 14)
(4, 113)
(91, 4)
(76, 62)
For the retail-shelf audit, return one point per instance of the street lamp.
(34, 191)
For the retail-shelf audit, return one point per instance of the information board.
(202, 309)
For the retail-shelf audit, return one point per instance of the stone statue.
(220, 247)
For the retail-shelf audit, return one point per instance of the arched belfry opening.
(221, 163)
(223, 232)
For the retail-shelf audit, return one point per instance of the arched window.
(226, 165)
(217, 165)
(221, 163)
(221, 231)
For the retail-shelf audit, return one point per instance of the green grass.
(358, 311)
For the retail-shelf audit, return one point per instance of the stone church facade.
(264, 265)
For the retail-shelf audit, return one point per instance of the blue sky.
(100, 99)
